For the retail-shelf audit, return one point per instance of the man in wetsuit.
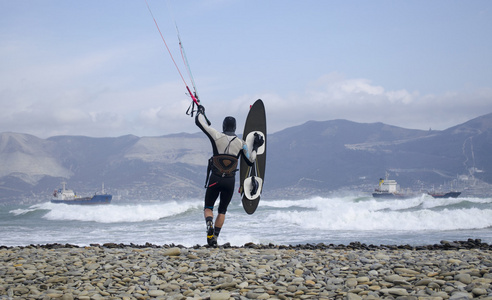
(227, 148)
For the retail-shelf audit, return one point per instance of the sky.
(101, 69)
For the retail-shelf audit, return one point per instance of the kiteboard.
(252, 177)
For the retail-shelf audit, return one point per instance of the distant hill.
(334, 154)
(315, 158)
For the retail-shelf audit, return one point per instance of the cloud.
(89, 95)
(335, 97)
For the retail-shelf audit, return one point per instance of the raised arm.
(202, 122)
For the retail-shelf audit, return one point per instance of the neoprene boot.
(211, 239)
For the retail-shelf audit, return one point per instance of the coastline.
(448, 270)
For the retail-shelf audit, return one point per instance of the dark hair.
(229, 125)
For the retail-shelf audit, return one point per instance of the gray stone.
(479, 291)
(395, 291)
(172, 252)
(156, 293)
(464, 278)
(460, 296)
(352, 296)
(220, 296)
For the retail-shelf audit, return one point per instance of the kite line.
(194, 94)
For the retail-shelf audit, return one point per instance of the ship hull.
(391, 195)
(95, 200)
(446, 195)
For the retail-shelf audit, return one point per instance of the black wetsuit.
(224, 146)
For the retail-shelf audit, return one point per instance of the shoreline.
(448, 270)
(443, 245)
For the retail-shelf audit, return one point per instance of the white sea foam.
(407, 215)
(22, 211)
(119, 213)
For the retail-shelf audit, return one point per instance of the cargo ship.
(388, 188)
(65, 196)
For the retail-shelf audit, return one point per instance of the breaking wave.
(419, 213)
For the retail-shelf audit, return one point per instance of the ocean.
(421, 220)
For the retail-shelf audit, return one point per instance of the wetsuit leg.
(223, 186)
(212, 192)
(226, 193)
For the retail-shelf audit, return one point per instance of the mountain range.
(315, 158)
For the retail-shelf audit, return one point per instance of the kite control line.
(194, 95)
(185, 61)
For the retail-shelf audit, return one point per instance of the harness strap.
(226, 150)
(209, 169)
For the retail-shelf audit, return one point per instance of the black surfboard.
(253, 177)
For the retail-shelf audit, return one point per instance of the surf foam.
(119, 213)
(371, 214)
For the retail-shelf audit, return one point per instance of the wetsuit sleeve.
(211, 133)
(250, 156)
(201, 122)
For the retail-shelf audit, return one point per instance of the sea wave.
(119, 213)
(419, 213)
(29, 211)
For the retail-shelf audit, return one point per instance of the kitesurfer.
(222, 167)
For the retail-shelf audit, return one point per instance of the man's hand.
(201, 109)
(258, 142)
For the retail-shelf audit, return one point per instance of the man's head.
(229, 126)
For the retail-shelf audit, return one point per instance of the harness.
(223, 165)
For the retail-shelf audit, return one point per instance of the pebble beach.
(448, 270)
